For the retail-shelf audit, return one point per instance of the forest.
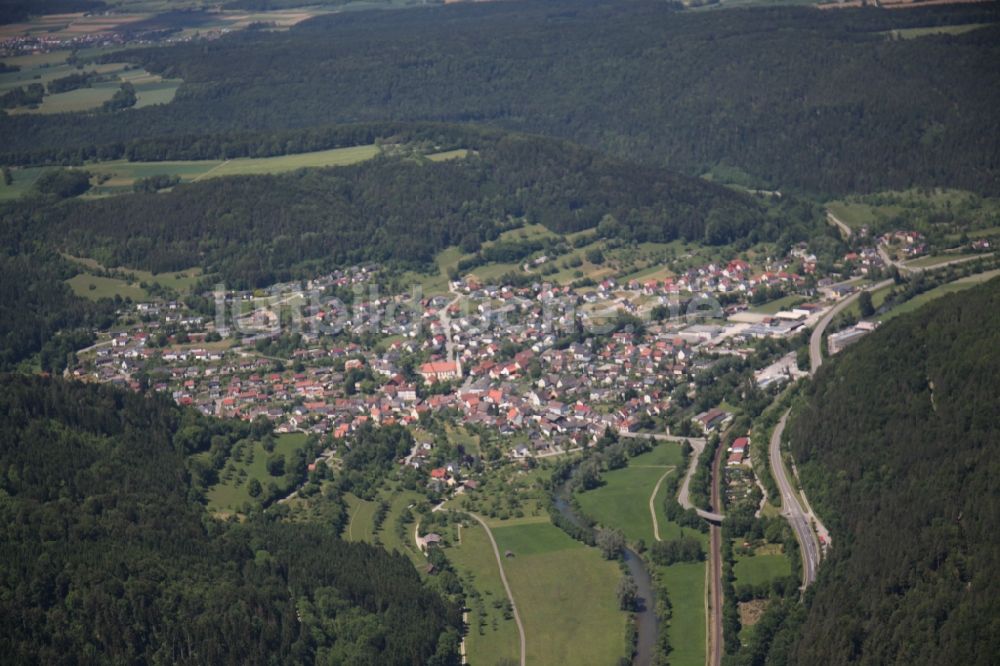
(896, 445)
(108, 556)
(255, 230)
(787, 98)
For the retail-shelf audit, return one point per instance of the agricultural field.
(44, 68)
(230, 493)
(623, 500)
(445, 155)
(565, 593)
(119, 175)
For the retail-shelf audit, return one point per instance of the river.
(645, 615)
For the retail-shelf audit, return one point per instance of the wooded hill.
(255, 230)
(896, 444)
(822, 101)
(105, 555)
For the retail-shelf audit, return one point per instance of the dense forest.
(822, 101)
(896, 443)
(105, 555)
(253, 230)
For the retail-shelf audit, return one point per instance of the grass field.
(931, 260)
(122, 174)
(24, 179)
(945, 289)
(854, 214)
(360, 514)
(685, 585)
(491, 637)
(150, 88)
(448, 155)
(104, 287)
(914, 33)
(231, 493)
(623, 500)
(762, 567)
(181, 281)
(783, 303)
(390, 539)
(565, 593)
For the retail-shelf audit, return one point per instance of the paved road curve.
(816, 339)
(792, 509)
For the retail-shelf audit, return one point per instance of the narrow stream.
(645, 616)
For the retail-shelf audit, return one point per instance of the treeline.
(105, 555)
(782, 97)
(896, 446)
(257, 230)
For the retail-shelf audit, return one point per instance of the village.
(549, 368)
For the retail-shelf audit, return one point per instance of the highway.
(791, 508)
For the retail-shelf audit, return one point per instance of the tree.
(254, 488)
(628, 593)
(276, 465)
(866, 305)
(611, 542)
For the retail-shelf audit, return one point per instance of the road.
(792, 510)
(845, 230)
(684, 493)
(506, 585)
(816, 339)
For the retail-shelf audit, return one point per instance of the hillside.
(104, 555)
(896, 443)
(821, 101)
(255, 230)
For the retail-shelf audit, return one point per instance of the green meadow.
(96, 287)
(230, 493)
(761, 567)
(360, 519)
(491, 637)
(565, 593)
(685, 583)
(944, 290)
(623, 500)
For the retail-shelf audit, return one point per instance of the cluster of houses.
(503, 348)
(910, 243)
